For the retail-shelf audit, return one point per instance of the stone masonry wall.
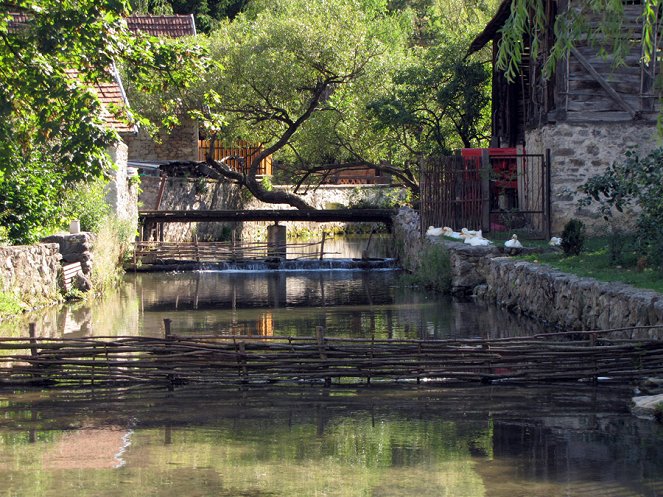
(568, 301)
(74, 248)
(181, 144)
(30, 272)
(580, 151)
(560, 299)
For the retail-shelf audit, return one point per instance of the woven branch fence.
(240, 359)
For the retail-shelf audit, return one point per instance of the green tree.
(287, 66)
(52, 129)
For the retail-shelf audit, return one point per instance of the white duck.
(513, 243)
(433, 231)
(465, 233)
(555, 241)
(477, 241)
(451, 233)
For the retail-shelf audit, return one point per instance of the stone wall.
(580, 151)
(181, 144)
(30, 272)
(568, 301)
(122, 193)
(208, 194)
(74, 248)
(560, 299)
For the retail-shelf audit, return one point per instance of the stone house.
(588, 114)
(181, 144)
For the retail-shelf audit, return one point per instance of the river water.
(405, 440)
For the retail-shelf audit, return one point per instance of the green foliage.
(111, 247)
(87, 203)
(10, 306)
(637, 182)
(573, 237)
(601, 23)
(53, 131)
(434, 272)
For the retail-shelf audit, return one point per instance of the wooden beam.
(604, 84)
(313, 215)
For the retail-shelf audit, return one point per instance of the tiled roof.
(168, 26)
(112, 94)
(17, 22)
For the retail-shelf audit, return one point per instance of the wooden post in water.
(320, 337)
(167, 335)
(33, 342)
(322, 245)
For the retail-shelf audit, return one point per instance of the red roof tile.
(168, 26)
(110, 93)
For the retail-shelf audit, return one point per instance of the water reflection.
(480, 441)
(346, 303)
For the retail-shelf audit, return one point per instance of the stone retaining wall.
(541, 292)
(568, 301)
(30, 272)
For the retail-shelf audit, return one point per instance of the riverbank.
(538, 291)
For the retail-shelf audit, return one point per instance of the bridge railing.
(152, 252)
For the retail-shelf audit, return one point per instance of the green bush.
(111, 247)
(9, 305)
(86, 201)
(434, 272)
(573, 237)
(635, 181)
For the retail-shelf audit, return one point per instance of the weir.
(620, 355)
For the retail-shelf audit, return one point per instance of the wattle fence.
(617, 354)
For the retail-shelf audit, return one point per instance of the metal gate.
(502, 194)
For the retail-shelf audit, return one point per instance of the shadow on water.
(403, 441)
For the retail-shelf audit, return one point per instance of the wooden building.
(588, 113)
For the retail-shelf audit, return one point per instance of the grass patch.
(434, 272)
(597, 261)
(10, 306)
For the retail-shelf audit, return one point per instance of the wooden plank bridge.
(622, 355)
(152, 217)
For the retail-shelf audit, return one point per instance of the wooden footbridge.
(621, 355)
(149, 218)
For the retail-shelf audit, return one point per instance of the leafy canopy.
(53, 132)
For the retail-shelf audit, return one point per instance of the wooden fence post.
(485, 190)
(170, 377)
(320, 337)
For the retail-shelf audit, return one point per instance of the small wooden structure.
(621, 355)
(478, 192)
(69, 272)
(244, 150)
(162, 252)
(586, 87)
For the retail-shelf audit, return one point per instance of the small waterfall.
(293, 265)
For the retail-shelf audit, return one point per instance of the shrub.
(573, 237)
(9, 305)
(434, 272)
(635, 181)
(86, 201)
(111, 247)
